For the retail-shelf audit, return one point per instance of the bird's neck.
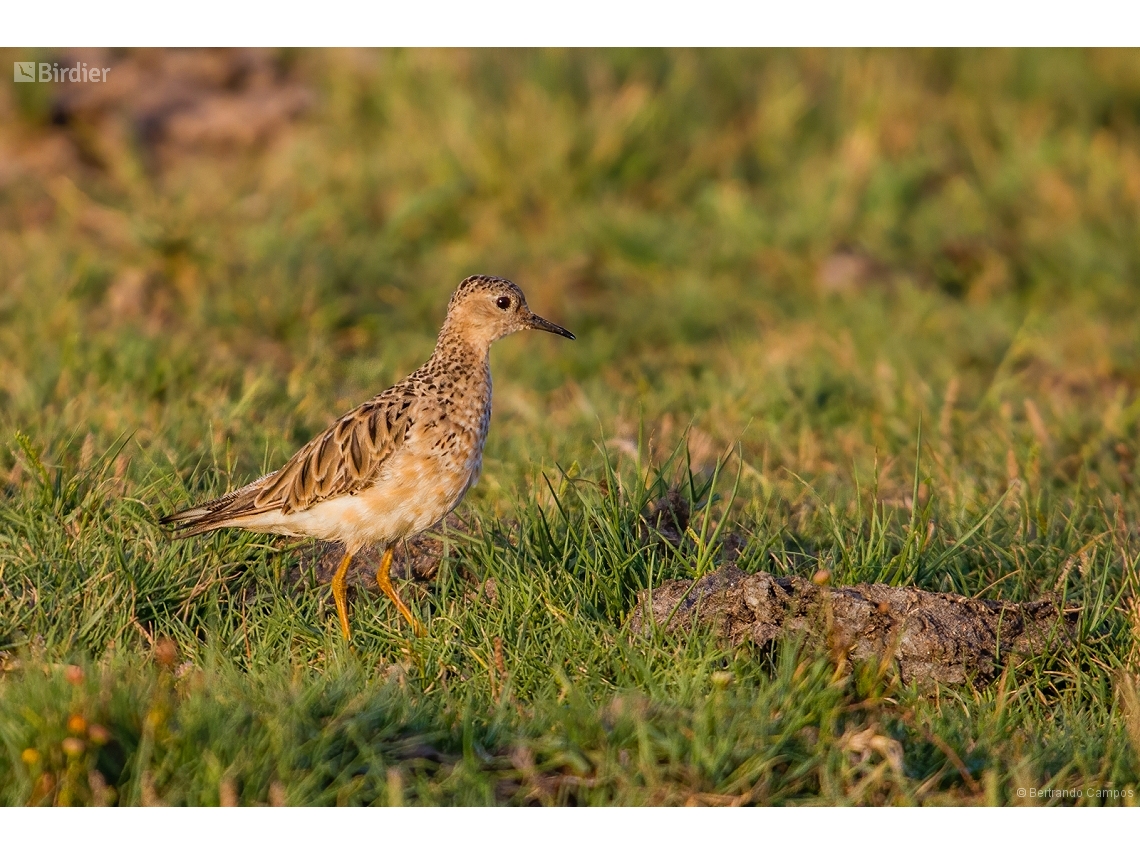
(455, 352)
(463, 336)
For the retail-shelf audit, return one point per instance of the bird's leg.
(385, 583)
(338, 588)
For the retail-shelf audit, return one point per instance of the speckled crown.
(480, 282)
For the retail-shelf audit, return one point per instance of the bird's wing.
(345, 459)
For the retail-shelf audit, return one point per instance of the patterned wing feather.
(344, 459)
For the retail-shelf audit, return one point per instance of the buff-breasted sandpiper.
(397, 464)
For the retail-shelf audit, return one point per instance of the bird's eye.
(503, 303)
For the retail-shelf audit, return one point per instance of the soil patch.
(931, 637)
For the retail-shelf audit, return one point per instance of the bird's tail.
(214, 514)
(189, 522)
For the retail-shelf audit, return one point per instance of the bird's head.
(483, 309)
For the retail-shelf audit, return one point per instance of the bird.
(395, 465)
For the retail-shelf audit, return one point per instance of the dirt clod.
(932, 637)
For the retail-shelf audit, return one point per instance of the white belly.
(414, 493)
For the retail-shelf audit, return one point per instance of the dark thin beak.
(537, 323)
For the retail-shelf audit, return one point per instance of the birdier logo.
(53, 72)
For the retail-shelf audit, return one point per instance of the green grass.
(895, 292)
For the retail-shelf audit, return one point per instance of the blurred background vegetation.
(825, 258)
(803, 251)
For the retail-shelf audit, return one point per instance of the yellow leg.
(338, 587)
(385, 583)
